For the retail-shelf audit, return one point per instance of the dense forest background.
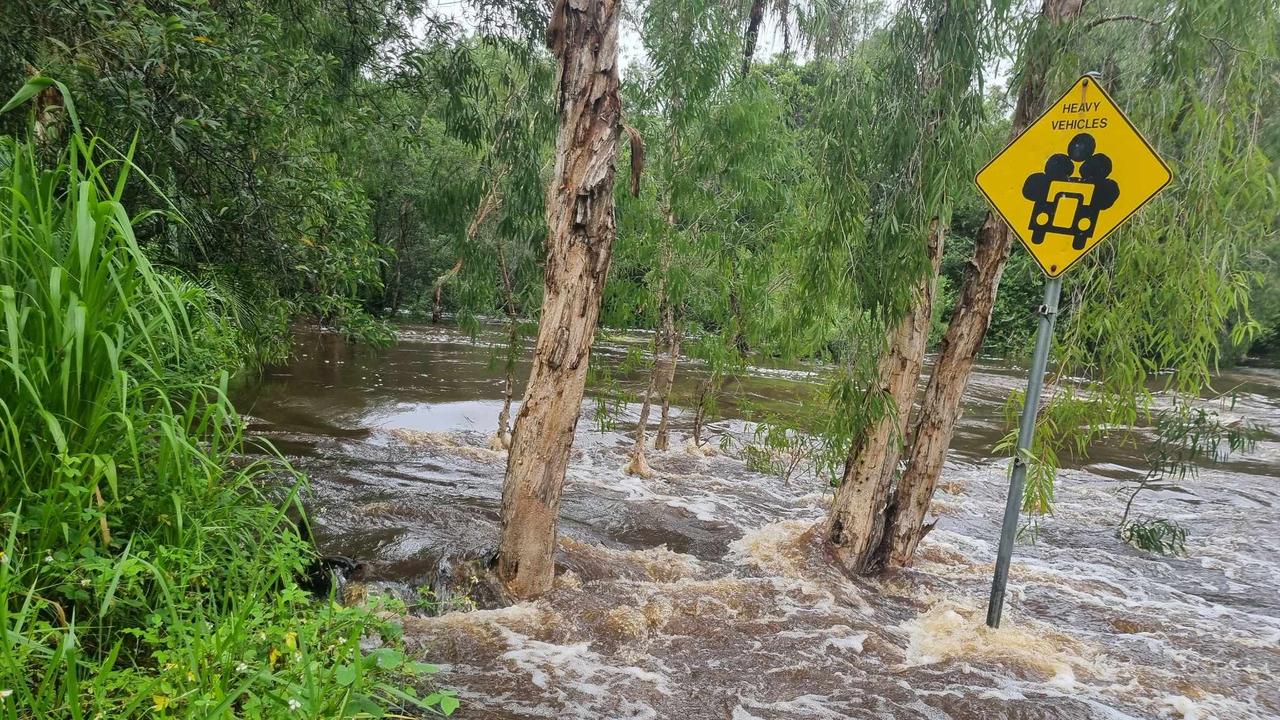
(356, 160)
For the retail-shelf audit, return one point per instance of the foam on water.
(776, 547)
(950, 630)
(704, 592)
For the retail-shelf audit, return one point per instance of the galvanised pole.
(1026, 431)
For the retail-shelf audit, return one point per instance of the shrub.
(1161, 536)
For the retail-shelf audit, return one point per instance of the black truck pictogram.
(1067, 202)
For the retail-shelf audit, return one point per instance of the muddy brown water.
(700, 594)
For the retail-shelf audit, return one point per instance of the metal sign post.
(1026, 432)
(1063, 185)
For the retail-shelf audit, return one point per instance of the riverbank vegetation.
(145, 569)
(231, 168)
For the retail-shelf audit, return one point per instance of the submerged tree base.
(500, 442)
(638, 466)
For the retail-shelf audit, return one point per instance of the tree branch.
(1113, 18)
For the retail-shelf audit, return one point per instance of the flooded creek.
(701, 592)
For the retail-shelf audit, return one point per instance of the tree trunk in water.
(856, 524)
(638, 465)
(661, 441)
(583, 37)
(940, 408)
(669, 336)
(502, 440)
(753, 34)
(700, 413)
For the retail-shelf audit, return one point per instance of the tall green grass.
(147, 571)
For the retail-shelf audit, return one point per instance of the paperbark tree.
(583, 37)
(855, 526)
(941, 54)
(661, 374)
(661, 440)
(638, 464)
(692, 44)
(940, 409)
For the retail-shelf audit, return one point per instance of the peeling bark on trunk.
(940, 408)
(856, 524)
(753, 34)
(583, 36)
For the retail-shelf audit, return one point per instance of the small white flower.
(294, 705)
(85, 583)
(242, 668)
(48, 557)
(5, 693)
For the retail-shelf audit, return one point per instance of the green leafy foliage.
(1186, 437)
(1066, 427)
(1168, 297)
(777, 448)
(246, 115)
(146, 572)
(1160, 536)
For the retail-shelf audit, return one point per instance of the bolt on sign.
(1077, 173)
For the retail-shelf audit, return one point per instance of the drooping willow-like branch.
(1114, 18)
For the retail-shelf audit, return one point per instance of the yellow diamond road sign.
(1073, 176)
